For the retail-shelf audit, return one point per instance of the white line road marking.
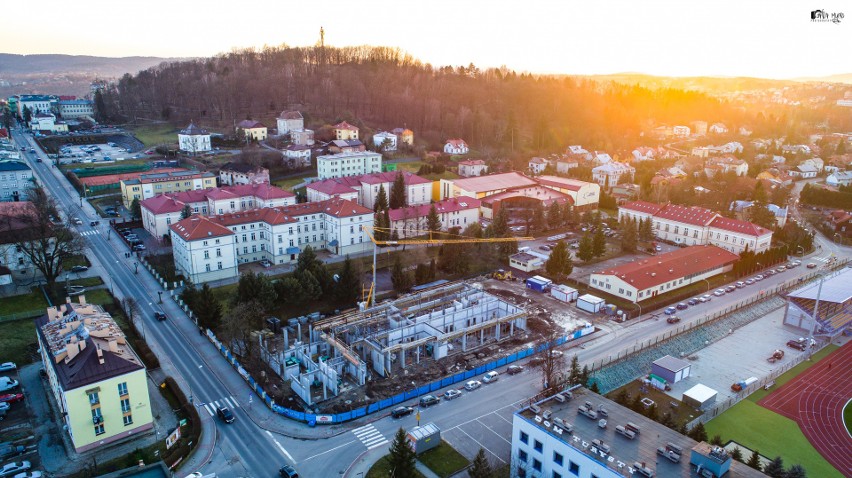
(280, 447)
(385, 442)
(209, 410)
(329, 451)
(483, 446)
(494, 432)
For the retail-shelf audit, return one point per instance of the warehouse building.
(646, 278)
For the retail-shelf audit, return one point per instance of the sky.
(769, 39)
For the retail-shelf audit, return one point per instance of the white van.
(490, 377)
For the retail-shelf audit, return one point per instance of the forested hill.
(23, 65)
(383, 87)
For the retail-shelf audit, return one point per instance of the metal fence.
(29, 314)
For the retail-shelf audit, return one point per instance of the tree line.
(818, 196)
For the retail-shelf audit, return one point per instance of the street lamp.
(708, 284)
(160, 294)
(136, 265)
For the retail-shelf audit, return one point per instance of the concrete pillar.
(310, 333)
(511, 328)
(402, 357)
(299, 330)
(286, 338)
(417, 353)
(464, 343)
(497, 331)
(481, 336)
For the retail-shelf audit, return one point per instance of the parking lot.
(16, 442)
(93, 153)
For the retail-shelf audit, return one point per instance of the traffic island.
(443, 460)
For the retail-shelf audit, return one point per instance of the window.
(125, 405)
(557, 475)
(207, 267)
(574, 468)
(522, 455)
(219, 265)
(537, 446)
(536, 465)
(122, 388)
(557, 458)
(94, 399)
(207, 254)
(128, 419)
(218, 252)
(525, 438)
(99, 429)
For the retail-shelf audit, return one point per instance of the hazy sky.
(773, 39)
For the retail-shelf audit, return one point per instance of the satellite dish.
(336, 277)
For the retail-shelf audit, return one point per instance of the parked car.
(10, 469)
(705, 298)
(740, 284)
(451, 394)
(770, 272)
(429, 400)
(400, 412)
(750, 281)
(94, 223)
(490, 377)
(781, 269)
(7, 383)
(759, 277)
(288, 471)
(79, 269)
(138, 247)
(513, 369)
(472, 385)
(730, 289)
(7, 450)
(719, 292)
(11, 397)
(811, 266)
(673, 319)
(160, 316)
(670, 310)
(659, 248)
(265, 263)
(225, 414)
(7, 366)
(682, 306)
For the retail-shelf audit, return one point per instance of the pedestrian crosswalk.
(370, 437)
(229, 402)
(90, 233)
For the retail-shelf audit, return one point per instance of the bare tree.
(551, 365)
(238, 324)
(46, 244)
(131, 309)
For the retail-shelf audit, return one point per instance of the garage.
(670, 368)
(700, 396)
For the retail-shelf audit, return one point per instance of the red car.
(12, 397)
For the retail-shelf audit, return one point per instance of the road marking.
(370, 436)
(482, 446)
(280, 447)
(209, 410)
(329, 451)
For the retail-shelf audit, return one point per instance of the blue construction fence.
(313, 419)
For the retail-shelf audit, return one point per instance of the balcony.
(97, 419)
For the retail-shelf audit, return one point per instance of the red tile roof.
(460, 203)
(198, 227)
(335, 186)
(547, 196)
(697, 216)
(538, 161)
(162, 204)
(738, 226)
(175, 202)
(249, 124)
(291, 115)
(117, 178)
(663, 268)
(345, 125)
(457, 142)
(642, 206)
(389, 177)
(472, 162)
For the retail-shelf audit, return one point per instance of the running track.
(815, 400)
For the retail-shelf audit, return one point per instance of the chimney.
(113, 345)
(100, 356)
(82, 299)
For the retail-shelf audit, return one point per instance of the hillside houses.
(456, 146)
(612, 173)
(725, 164)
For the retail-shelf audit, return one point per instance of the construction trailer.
(563, 293)
(539, 283)
(590, 303)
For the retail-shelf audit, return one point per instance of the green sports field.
(771, 434)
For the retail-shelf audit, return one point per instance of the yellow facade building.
(150, 185)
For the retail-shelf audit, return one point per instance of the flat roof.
(493, 182)
(591, 298)
(701, 393)
(834, 289)
(673, 364)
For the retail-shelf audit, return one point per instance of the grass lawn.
(87, 281)
(381, 469)
(288, 183)
(791, 374)
(153, 135)
(772, 435)
(18, 340)
(444, 460)
(98, 165)
(23, 303)
(439, 176)
(847, 415)
(78, 260)
(98, 296)
(412, 167)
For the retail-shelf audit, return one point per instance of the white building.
(610, 174)
(644, 153)
(348, 164)
(456, 146)
(194, 140)
(681, 131)
(584, 195)
(14, 224)
(252, 130)
(646, 278)
(725, 164)
(69, 109)
(384, 141)
(47, 122)
(289, 121)
(161, 211)
(718, 128)
(804, 171)
(211, 248)
(537, 165)
(303, 137)
(35, 103)
(580, 151)
(698, 226)
(566, 164)
(297, 155)
(232, 174)
(472, 167)
(364, 189)
(839, 178)
(601, 158)
(457, 212)
(16, 179)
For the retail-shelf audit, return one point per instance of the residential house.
(457, 212)
(700, 127)
(348, 164)
(840, 222)
(744, 131)
(566, 163)
(47, 123)
(16, 222)
(625, 192)
(297, 155)
(211, 248)
(161, 211)
(579, 150)
(302, 137)
(740, 208)
(150, 185)
(456, 146)
(384, 141)
(405, 135)
(796, 149)
(16, 180)
(289, 121)
(644, 153)
(718, 128)
(98, 383)
(681, 131)
(804, 171)
(610, 174)
(252, 130)
(364, 189)
(193, 140)
(817, 163)
(344, 130)
(601, 158)
(346, 146)
(698, 226)
(776, 177)
(74, 108)
(839, 178)
(725, 164)
(537, 165)
(232, 174)
(472, 167)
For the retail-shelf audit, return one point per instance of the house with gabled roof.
(289, 120)
(457, 212)
(456, 146)
(252, 130)
(472, 167)
(344, 130)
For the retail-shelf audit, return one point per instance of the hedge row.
(183, 448)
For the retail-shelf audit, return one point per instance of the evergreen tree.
(433, 222)
(568, 214)
(575, 373)
(646, 230)
(652, 412)
(594, 387)
(381, 199)
(500, 228)
(629, 235)
(559, 264)
(698, 433)
(480, 468)
(754, 460)
(759, 194)
(28, 115)
(554, 215)
(796, 471)
(136, 209)
(586, 251)
(716, 440)
(737, 454)
(186, 212)
(397, 194)
(775, 468)
(207, 308)
(584, 374)
(761, 215)
(539, 223)
(401, 459)
(255, 287)
(399, 277)
(349, 283)
(599, 243)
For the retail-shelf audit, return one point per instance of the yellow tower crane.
(427, 237)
